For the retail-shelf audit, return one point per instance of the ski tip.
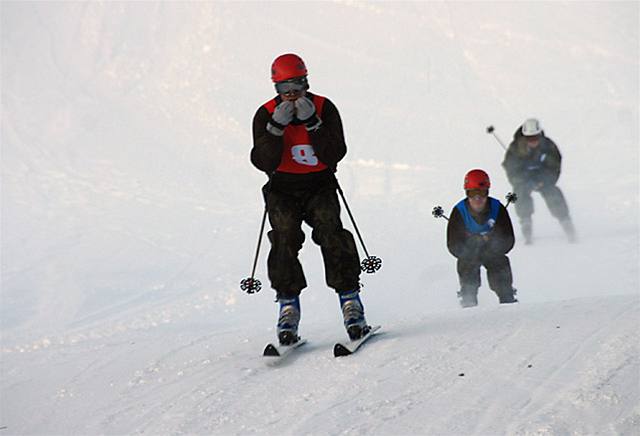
(271, 350)
(340, 350)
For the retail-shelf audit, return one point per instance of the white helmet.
(531, 127)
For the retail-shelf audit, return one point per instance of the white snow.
(130, 212)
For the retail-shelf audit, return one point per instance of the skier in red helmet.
(298, 141)
(480, 233)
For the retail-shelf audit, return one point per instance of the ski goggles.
(471, 193)
(292, 86)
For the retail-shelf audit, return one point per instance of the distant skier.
(480, 233)
(532, 163)
(298, 141)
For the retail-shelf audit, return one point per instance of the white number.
(304, 155)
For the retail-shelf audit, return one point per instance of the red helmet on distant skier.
(287, 66)
(476, 179)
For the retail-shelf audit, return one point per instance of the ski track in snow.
(528, 369)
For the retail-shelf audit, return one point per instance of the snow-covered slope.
(545, 368)
(130, 212)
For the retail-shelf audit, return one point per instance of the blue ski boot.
(288, 320)
(353, 314)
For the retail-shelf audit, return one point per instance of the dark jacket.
(465, 245)
(532, 166)
(327, 141)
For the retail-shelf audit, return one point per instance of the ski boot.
(569, 230)
(353, 314)
(507, 296)
(288, 320)
(468, 296)
(527, 230)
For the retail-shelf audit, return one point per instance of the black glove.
(547, 178)
(492, 248)
(306, 112)
(282, 116)
(474, 246)
(532, 182)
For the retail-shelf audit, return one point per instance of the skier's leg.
(524, 210)
(555, 201)
(340, 256)
(500, 278)
(469, 277)
(286, 236)
(558, 207)
(339, 252)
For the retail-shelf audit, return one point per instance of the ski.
(279, 352)
(344, 349)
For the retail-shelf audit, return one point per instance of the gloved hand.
(547, 178)
(305, 109)
(306, 112)
(282, 116)
(532, 184)
(536, 184)
(474, 246)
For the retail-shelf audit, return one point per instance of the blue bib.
(471, 224)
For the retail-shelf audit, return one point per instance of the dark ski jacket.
(328, 143)
(527, 166)
(464, 244)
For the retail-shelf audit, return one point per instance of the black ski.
(346, 348)
(279, 352)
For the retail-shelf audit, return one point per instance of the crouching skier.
(298, 141)
(479, 233)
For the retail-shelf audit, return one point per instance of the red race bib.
(298, 155)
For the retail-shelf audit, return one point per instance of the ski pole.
(491, 130)
(252, 285)
(372, 263)
(439, 213)
(511, 198)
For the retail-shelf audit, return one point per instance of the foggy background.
(128, 198)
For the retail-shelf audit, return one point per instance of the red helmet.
(287, 66)
(476, 179)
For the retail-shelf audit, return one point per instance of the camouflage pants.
(498, 273)
(321, 211)
(552, 196)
